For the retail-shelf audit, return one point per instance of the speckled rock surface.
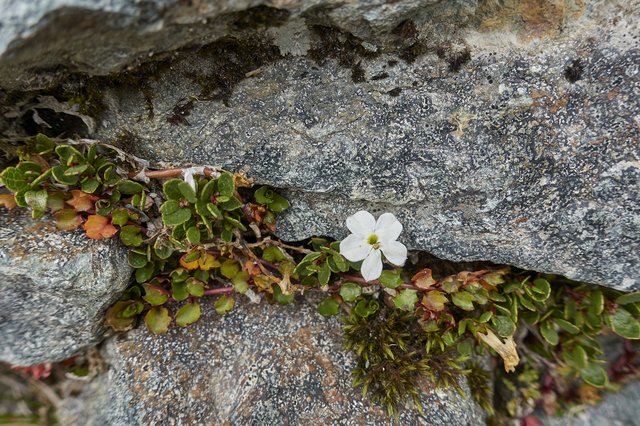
(41, 40)
(616, 409)
(55, 287)
(258, 365)
(509, 140)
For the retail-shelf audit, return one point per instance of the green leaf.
(187, 192)
(119, 216)
(486, 316)
(207, 191)
(503, 325)
(549, 333)
(76, 170)
(566, 326)
(278, 296)
(58, 173)
(232, 204)
(329, 307)
(435, 300)
(226, 186)
(625, 325)
(306, 261)
(595, 375)
(188, 314)
(340, 262)
(406, 300)
(240, 282)
(577, 358)
(596, 302)
(89, 185)
(179, 290)
(213, 210)
(350, 291)
(157, 320)
(68, 154)
(230, 268)
(234, 223)
(173, 214)
(14, 179)
(273, 254)
(44, 144)
(391, 278)
(463, 300)
(154, 295)
(37, 200)
(541, 290)
(171, 189)
(193, 235)
(364, 308)
(163, 248)
(279, 204)
(129, 187)
(224, 304)
(131, 235)
(628, 298)
(145, 273)
(324, 275)
(195, 287)
(137, 260)
(465, 348)
(179, 275)
(226, 235)
(264, 195)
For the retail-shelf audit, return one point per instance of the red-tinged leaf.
(8, 201)
(423, 279)
(531, 421)
(189, 266)
(39, 371)
(67, 219)
(81, 201)
(98, 227)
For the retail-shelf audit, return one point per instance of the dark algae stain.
(343, 47)
(573, 72)
(231, 58)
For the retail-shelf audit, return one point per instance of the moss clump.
(392, 358)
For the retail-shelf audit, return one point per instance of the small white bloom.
(370, 239)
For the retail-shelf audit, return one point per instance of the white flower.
(369, 239)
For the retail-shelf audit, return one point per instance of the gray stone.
(55, 288)
(616, 409)
(526, 155)
(41, 40)
(258, 365)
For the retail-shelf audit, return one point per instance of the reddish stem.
(221, 290)
(167, 173)
(357, 279)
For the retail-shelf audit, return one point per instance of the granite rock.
(258, 365)
(510, 143)
(43, 40)
(616, 409)
(55, 288)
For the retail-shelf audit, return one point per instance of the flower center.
(373, 240)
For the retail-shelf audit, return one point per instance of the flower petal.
(355, 248)
(388, 228)
(361, 223)
(372, 266)
(395, 252)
